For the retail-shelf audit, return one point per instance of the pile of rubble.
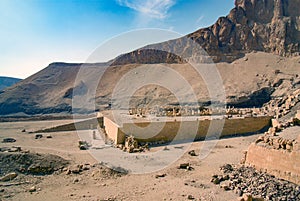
(31, 163)
(282, 106)
(272, 138)
(132, 146)
(76, 169)
(248, 181)
(95, 170)
(277, 142)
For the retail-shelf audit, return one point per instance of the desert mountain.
(255, 48)
(7, 82)
(271, 26)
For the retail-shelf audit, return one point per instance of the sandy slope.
(49, 91)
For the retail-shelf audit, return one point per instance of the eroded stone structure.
(164, 129)
(277, 151)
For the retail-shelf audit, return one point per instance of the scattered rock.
(166, 148)
(12, 149)
(83, 145)
(9, 177)
(32, 189)
(68, 172)
(192, 153)
(8, 140)
(75, 170)
(226, 186)
(160, 175)
(85, 167)
(190, 197)
(186, 166)
(38, 136)
(226, 168)
(215, 180)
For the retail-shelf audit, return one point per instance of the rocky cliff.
(271, 26)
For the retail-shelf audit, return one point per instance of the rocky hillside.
(256, 49)
(271, 26)
(48, 91)
(7, 82)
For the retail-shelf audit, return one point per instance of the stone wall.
(113, 131)
(182, 130)
(280, 163)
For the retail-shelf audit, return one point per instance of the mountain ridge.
(251, 27)
(7, 82)
(271, 26)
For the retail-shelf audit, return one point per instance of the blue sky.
(35, 33)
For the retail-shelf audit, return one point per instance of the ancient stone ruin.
(132, 146)
(277, 151)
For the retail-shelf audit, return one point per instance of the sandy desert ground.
(99, 183)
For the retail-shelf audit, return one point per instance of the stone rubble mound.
(281, 107)
(246, 180)
(132, 145)
(30, 163)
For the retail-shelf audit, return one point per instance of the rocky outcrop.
(271, 26)
(147, 56)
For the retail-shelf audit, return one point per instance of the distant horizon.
(38, 33)
(10, 77)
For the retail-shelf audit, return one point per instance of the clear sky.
(35, 33)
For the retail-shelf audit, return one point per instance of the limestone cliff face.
(271, 26)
